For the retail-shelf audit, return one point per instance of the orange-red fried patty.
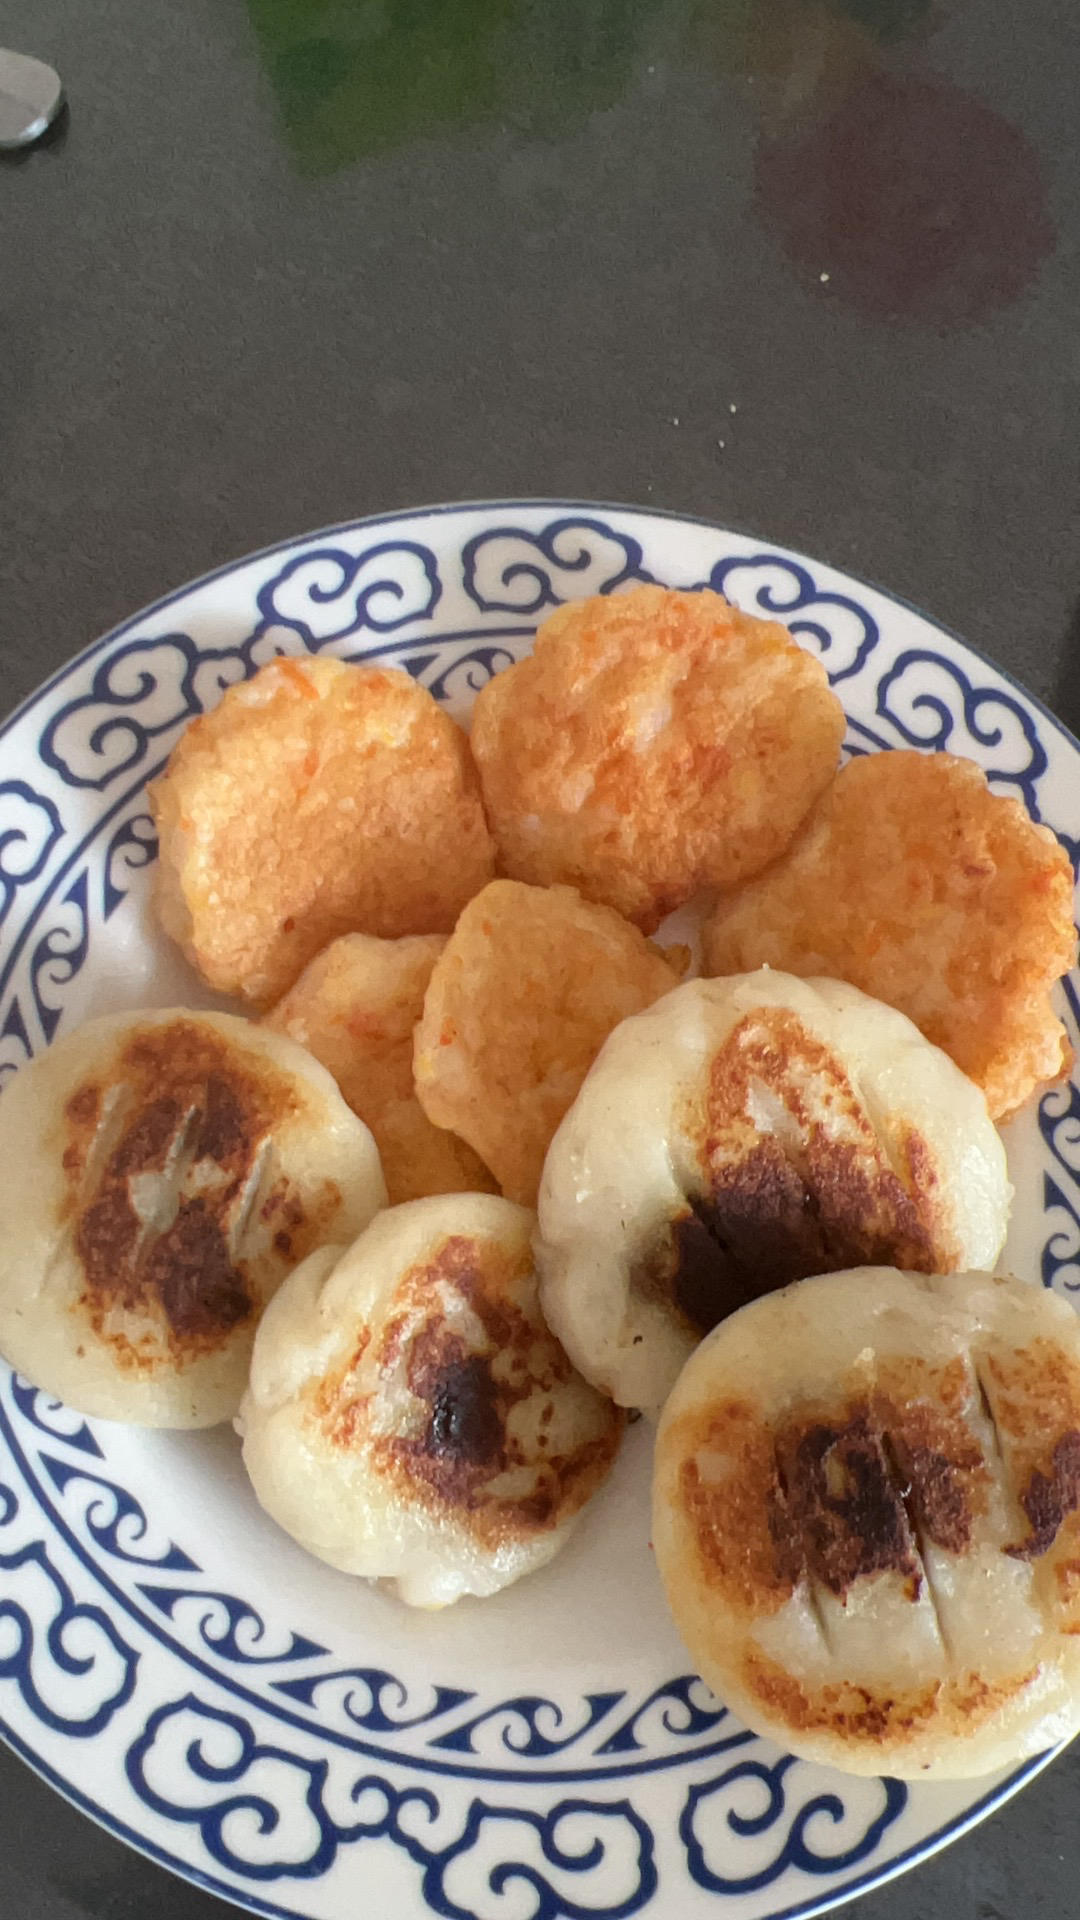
(653, 744)
(317, 799)
(354, 1007)
(914, 881)
(522, 998)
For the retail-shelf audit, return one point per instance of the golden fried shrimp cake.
(913, 880)
(411, 1420)
(354, 1007)
(654, 743)
(525, 993)
(317, 799)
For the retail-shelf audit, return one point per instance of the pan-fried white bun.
(743, 1133)
(162, 1173)
(411, 1419)
(865, 1514)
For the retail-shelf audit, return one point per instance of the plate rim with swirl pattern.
(635, 1795)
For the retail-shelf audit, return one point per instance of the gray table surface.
(805, 267)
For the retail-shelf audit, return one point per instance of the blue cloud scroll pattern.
(603, 1734)
(1059, 1126)
(68, 1660)
(328, 595)
(933, 704)
(131, 847)
(372, 1700)
(271, 1812)
(228, 1626)
(16, 1046)
(60, 954)
(812, 1831)
(513, 570)
(112, 1518)
(57, 943)
(463, 678)
(529, 1725)
(52, 1418)
(30, 828)
(146, 688)
(781, 588)
(683, 1707)
(141, 693)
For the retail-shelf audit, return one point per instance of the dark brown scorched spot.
(818, 1195)
(163, 1153)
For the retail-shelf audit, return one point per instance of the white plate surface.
(168, 1660)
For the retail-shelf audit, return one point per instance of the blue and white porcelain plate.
(179, 1669)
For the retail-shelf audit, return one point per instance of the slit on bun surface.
(654, 743)
(739, 1135)
(917, 882)
(355, 1007)
(163, 1172)
(411, 1419)
(316, 799)
(866, 1515)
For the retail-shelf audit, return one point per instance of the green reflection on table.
(355, 77)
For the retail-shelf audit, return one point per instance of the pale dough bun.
(411, 1419)
(527, 988)
(866, 1515)
(317, 799)
(163, 1172)
(915, 881)
(355, 1007)
(654, 743)
(741, 1134)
